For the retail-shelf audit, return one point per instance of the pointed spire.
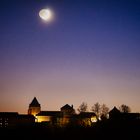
(34, 103)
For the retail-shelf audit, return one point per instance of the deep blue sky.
(89, 52)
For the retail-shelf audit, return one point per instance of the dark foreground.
(105, 130)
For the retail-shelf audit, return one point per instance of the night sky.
(89, 52)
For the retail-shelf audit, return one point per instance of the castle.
(63, 117)
(66, 116)
(35, 115)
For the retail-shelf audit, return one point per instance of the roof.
(87, 114)
(66, 107)
(9, 114)
(50, 113)
(26, 116)
(114, 110)
(34, 103)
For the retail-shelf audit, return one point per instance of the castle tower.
(67, 110)
(34, 107)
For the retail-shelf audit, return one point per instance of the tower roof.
(114, 110)
(66, 107)
(34, 103)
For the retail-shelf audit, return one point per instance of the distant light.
(99, 118)
(45, 14)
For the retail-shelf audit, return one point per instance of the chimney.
(72, 106)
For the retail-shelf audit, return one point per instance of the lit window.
(93, 119)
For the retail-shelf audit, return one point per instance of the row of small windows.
(3, 126)
(6, 119)
(4, 122)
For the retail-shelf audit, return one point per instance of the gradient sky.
(89, 52)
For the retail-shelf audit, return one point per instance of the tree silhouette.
(96, 108)
(104, 111)
(100, 110)
(124, 108)
(83, 107)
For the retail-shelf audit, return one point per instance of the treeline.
(101, 110)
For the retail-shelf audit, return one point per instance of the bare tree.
(96, 108)
(83, 107)
(100, 110)
(104, 110)
(124, 108)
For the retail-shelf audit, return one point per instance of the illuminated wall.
(33, 110)
(43, 118)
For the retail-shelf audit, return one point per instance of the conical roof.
(115, 110)
(66, 107)
(34, 103)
